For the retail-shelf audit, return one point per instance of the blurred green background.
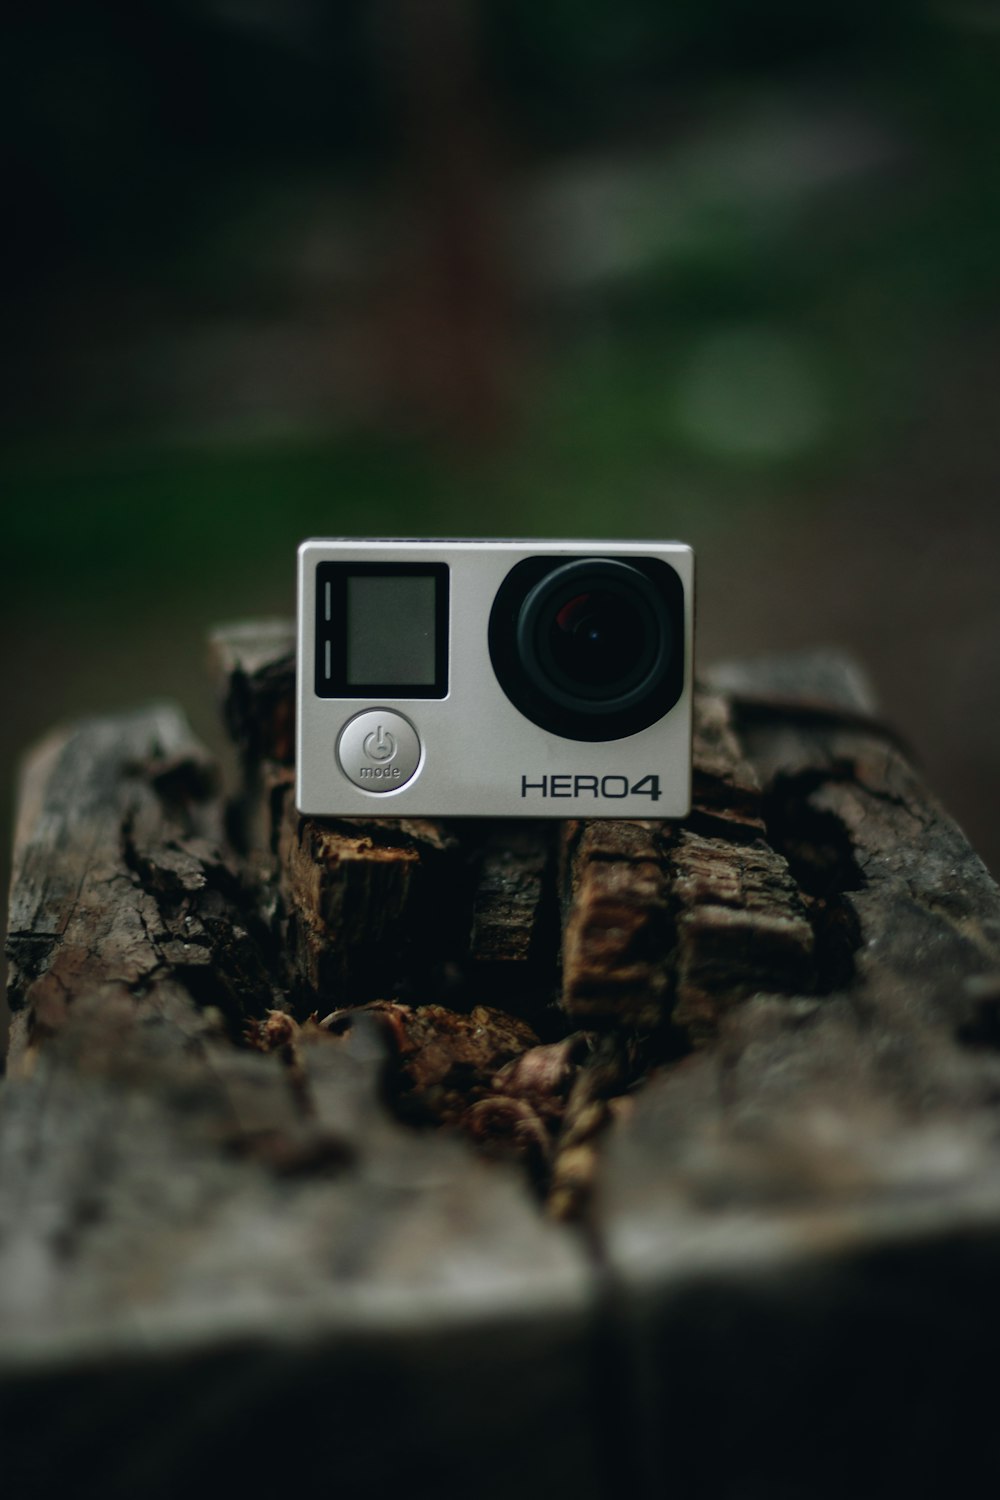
(727, 273)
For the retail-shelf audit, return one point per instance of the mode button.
(378, 750)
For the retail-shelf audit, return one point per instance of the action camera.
(494, 679)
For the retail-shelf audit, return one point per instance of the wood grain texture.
(201, 1243)
(365, 904)
(123, 890)
(810, 1204)
(674, 922)
(253, 665)
(616, 924)
(753, 1059)
(514, 891)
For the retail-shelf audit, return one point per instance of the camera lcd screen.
(390, 631)
(381, 629)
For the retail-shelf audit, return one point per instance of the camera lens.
(597, 639)
(590, 634)
(591, 648)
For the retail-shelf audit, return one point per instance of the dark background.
(726, 273)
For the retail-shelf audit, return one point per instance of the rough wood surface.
(123, 893)
(296, 1110)
(253, 663)
(203, 1242)
(511, 919)
(811, 1204)
(615, 929)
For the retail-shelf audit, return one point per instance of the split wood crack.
(524, 978)
(257, 1059)
(574, 959)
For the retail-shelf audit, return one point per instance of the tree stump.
(408, 1156)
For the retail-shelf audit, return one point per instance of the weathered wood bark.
(741, 1075)
(801, 1222)
(221, 1264)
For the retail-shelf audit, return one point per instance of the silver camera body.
(494, 679)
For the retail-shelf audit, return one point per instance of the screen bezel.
(334, 630)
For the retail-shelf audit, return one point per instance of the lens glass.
(589, 648)
(597, 638)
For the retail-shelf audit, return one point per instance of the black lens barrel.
(592, 633)
(591, 648)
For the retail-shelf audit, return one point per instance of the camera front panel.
(492, 679)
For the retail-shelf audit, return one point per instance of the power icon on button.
(379, 750)
(380, 745)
